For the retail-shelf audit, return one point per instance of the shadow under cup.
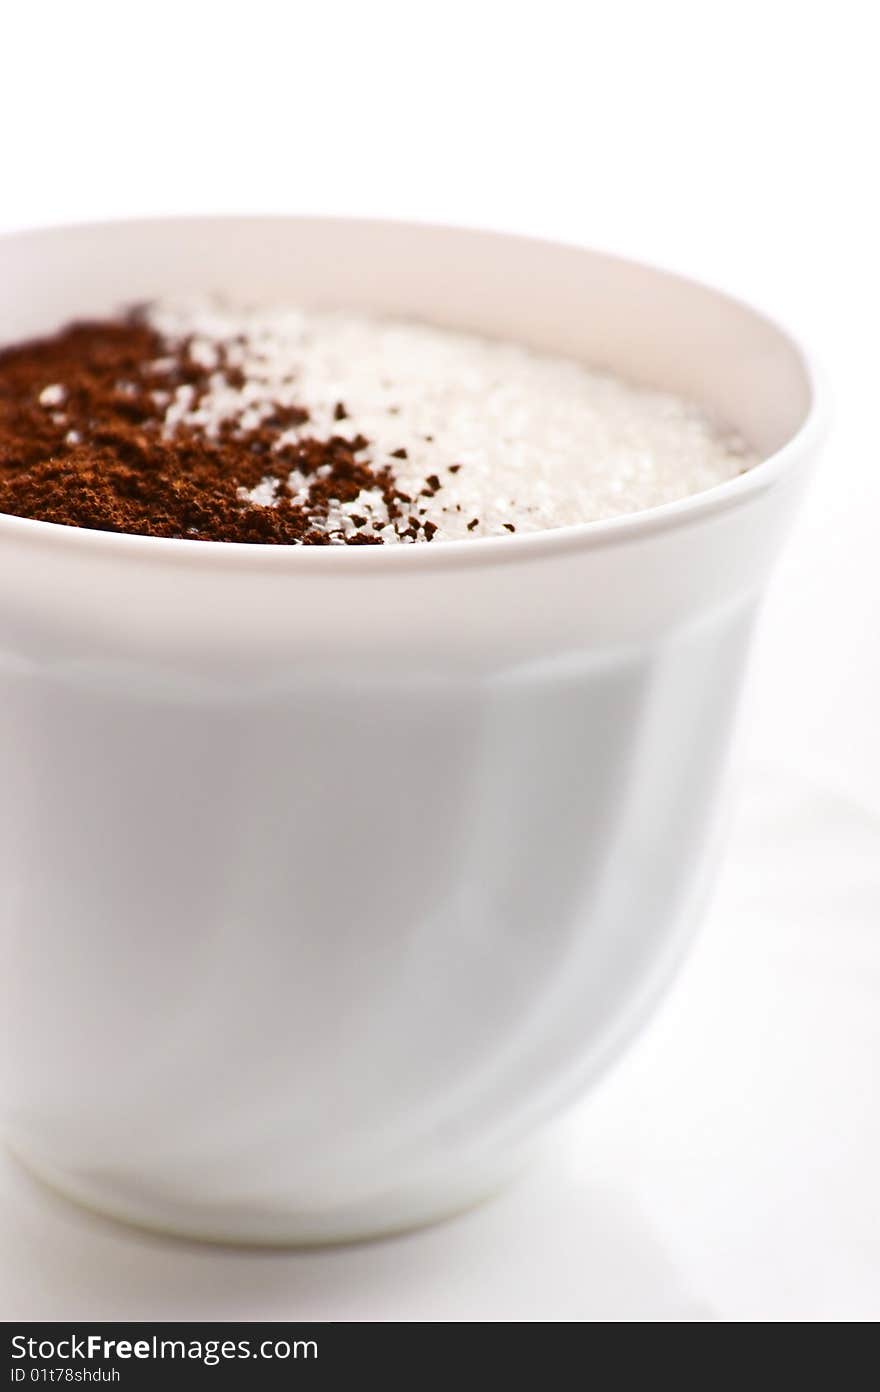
(331, 874)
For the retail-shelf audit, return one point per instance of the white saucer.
(727, 1169)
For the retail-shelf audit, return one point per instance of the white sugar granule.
(53, 395)
(517, 439)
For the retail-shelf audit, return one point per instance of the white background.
(728, 1169)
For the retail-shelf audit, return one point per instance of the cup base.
(395, 1213)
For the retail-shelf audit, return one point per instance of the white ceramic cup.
(330, 875)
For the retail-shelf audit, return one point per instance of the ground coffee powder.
(83, 442)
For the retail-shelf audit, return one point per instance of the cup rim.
(449, 555)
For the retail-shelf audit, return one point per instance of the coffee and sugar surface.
(215, 422)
